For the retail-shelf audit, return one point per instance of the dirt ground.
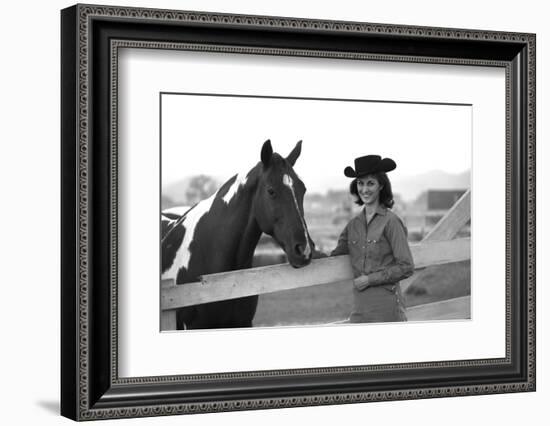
(332, 303)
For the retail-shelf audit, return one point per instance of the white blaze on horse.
(221, 233)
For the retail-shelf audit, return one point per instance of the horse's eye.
(271, 192)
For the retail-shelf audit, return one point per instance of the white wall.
(29, 225)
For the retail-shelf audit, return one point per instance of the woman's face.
(369, 188)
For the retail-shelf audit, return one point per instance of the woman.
(376, 241)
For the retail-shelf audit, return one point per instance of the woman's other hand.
(361, 282)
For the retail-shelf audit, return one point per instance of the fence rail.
(270, 279)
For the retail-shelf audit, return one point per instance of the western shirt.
(378, 249)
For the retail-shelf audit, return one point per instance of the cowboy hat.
(369, 164)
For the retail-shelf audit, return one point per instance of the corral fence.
(439, 247)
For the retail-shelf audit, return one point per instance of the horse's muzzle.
(302, 250)
(299, 260)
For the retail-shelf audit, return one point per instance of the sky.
(221, 136)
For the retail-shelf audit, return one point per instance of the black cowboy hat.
(370, 164)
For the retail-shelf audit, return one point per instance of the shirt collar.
(380, 210)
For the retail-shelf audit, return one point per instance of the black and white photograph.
(313, 211)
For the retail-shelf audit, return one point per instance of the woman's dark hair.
(386, 193)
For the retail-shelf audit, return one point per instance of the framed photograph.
(263, 212)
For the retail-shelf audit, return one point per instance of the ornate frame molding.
(78, 24)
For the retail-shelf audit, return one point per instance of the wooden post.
(449, 225)
(445, 229)
(167, 316)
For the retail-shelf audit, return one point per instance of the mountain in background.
(411, 187)
(408, 188)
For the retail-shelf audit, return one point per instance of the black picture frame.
(90, 386)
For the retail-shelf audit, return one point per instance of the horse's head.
(278, 205)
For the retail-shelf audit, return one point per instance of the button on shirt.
(378, 249)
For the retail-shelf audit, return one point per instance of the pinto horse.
(220, 234)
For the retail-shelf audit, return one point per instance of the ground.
(332, 303)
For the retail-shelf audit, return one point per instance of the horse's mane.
(250, 178)
(176, 222)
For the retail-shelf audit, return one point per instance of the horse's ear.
(293, 156)
(267, 152)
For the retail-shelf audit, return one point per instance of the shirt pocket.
(354, 246)
(378, 249)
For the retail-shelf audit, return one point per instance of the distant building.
(438, 199)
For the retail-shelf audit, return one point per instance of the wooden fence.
(437, 248)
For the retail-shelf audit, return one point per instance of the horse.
(220, 234)
(169, 218)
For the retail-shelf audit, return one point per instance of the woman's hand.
(317, 254)
(361, 282)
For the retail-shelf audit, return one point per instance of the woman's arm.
(403, 265)
(342, 246)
